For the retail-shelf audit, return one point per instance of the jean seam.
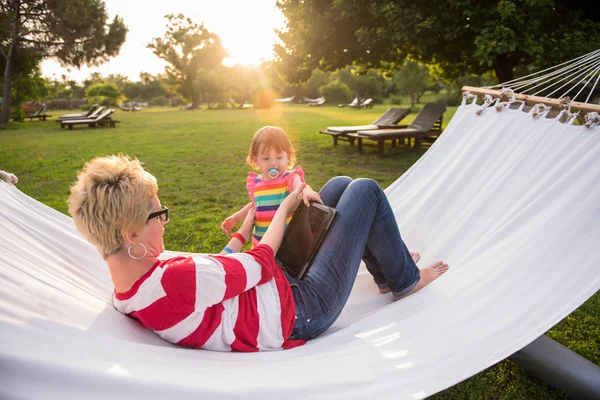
(326, 314)
(306, 309)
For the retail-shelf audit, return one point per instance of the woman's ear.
(130, 237)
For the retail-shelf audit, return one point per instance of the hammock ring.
(139, 244)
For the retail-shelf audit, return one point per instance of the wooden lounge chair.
(104, 119)
(427, 126)
(318, 103)
(93, 115)
(388, 120)
(80, 115)
(40, 114)
(353, 103)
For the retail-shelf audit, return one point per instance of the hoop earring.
(137, 258)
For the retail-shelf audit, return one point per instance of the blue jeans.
(365, 229)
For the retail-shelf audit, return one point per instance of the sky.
(246, 28)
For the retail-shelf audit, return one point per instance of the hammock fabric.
(510, 201)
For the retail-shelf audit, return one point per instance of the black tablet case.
(303, 238)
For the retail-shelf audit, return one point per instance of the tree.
(188, 47)
(243, 81)
(73, 31)
(103, 93)
(412, 79)
(460, 36)
(336, 91)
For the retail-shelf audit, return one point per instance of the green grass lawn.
(198, 158)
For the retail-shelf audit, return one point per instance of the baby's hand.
(293, 199)
(310, 195)
(228, 224)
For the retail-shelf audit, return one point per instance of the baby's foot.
(416, 257)
(428, 275)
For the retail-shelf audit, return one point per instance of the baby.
(272, 153)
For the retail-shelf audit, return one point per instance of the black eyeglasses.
(163, 214)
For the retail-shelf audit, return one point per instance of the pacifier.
(273, 173)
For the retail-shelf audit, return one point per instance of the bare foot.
(416, 257)
(428, 275)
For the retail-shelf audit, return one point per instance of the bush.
(336, 92)
(17, 114)
(395, 99)
(29, 107)
(66, 104)
(158, 101)
(449, 98)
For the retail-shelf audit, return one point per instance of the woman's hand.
(292, 201)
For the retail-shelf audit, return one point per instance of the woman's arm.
(235, 244)
(274, 233)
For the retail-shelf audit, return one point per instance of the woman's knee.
(365, 187)
(339, 181)
(332, 191)
(366, 184)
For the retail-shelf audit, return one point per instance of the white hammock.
(511, 202)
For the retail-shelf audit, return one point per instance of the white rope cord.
(591, 76)
(556, 73)
(571, 76)
(568, 73)
(570, 63)
(592, 91)
(574, 78)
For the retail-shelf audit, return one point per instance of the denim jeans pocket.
(302, 309)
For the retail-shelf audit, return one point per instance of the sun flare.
(246, 29)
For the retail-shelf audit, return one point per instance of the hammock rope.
(588, 65)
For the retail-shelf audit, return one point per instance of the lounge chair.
(426, 127)
(93, 115)
(80, 115)
(353, 103)
(368, 103)
(318, 103)
(388, 120)
(102, 120)
(40, 114)
(286, 100)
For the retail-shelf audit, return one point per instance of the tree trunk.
(5, 117)
(412, 100)
(504, 66)
(8, 70)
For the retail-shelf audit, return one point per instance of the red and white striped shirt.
(237, 302)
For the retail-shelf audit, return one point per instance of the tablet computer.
(303, 237)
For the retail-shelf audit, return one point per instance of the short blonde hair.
(270, 138)
(111, 197)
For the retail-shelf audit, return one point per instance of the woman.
(237, 301)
